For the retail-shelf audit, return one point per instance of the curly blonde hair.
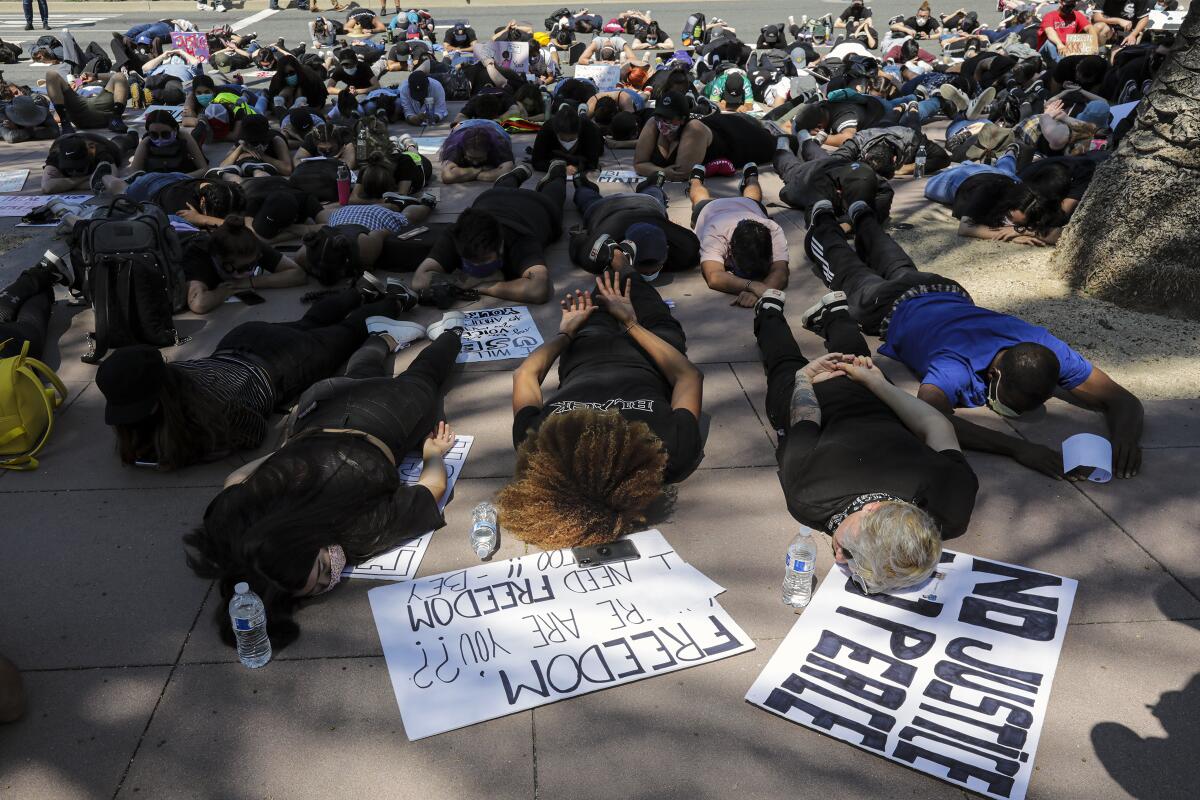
(584, 477)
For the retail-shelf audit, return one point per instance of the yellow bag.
(27, 406)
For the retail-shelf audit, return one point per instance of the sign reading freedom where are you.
(401, 564)
(951, 678)
(494, 334)
(467, 646)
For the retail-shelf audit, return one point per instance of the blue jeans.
(27, 7)
(1050, 50)
(1095, 112)
(958, 124)
(143, 188)
(942, 187)
(586, 197)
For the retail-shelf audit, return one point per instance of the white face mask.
(350, 70)
(565, 145)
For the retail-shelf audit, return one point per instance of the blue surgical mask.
(350, 70)
(652, 276)
(292, 80)
(163, 141)
(204, 99)
(482, 269)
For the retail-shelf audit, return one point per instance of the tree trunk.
(1135, 239)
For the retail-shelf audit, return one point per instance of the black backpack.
(130, 263)
(696, 29)
(98, 62)
(552, 20)
(456, 84)
(9, 53)
(771, 60)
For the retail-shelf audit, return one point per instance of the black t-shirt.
(977, 196)
(460, 36)
(855, 13)
(1132, 10)
(200, 265)
(921, 24)
(178, 196)
(528, 222)
(843, 116)
(257, 190)
(363, 16)
(361, 78)
(1078, 174)
(639, 395)
(862, 447)
(104, 151)
(589, 147)
(471, 109)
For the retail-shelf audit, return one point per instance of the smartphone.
(595, 555)
(414, 232)
(150, 464)
(250, 298)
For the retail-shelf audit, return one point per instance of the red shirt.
(1061, 26)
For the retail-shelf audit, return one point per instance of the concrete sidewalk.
(132, 695)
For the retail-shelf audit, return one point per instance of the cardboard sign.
(605, 76)
(619, 176)
(18, 205)
(467, 646)
(951, 678)
(194, 44)
(13, 181)
(510, 55)
(1078, 44)
(402, 563)
(496, 334)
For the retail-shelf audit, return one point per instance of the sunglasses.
(993, 399)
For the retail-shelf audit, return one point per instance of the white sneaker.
(403, 331)
(451, 319)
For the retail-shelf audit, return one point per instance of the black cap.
(735, 89)
(278, 211)
(302, 120)
(418, 86)
(131, 379)
(73, 155)
(673, 105)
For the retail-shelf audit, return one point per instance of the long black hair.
(188, 427)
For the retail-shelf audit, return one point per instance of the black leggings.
(399, 411)
(33, 291)
(297, 354)
(873, 275)
(554, 190)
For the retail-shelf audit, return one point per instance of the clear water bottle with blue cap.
(249, 618)
(801, 561)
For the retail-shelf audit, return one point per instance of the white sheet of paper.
(496, 334)
(1089, 450)
(619, 176)
(467, 646)
(13, 181)
(402, 563)
(606, 76)
(951, 678)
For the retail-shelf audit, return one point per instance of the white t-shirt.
(714, 228)
(848, 49)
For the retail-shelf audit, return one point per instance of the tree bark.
(1134, 240)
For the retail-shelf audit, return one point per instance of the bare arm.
(201, 299)
(1124, 414)
(423, 276)
(926, 422)
(532, 287)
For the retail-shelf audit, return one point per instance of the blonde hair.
(925, 7)
(585, 477)
(897, 545)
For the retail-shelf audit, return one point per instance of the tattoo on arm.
(805, 407)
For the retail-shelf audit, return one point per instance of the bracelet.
(632, 325)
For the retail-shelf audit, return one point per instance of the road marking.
(253, 18)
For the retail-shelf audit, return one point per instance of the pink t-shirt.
(719, 217)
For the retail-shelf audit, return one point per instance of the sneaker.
(556, 170)
(772, 299)
(371, 286)
(66, 128)
(399, 199)
(857, 209)
(749, 173)
(217, 172)
(102, 170)
(117, 125)
(601, 252)
(814, 318)
(63, 272)
(954, 96)
(449, 321)
(407, 142)
(28, 26)
(979, 106)
(399, 289)
(582, 111)
(248, 168)
(523, 171)
(404, 332)
(581, 179)
(699, 173)
(656, 180)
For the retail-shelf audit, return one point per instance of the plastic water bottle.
(484, 530)
(801, 562)
(249, 619)
(919, 163)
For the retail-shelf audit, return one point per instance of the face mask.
(482, 269)
(292, 80)
(337, 563)
(667, 130)
(564, 144)
(652, 276)
(163, 141)
(204, 99)
(993, 399)
(350, 70)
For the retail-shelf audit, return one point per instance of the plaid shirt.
(375, 218)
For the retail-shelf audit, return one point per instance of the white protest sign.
(18, 205)
(605, 76)
(494, 334)
(174, 111)
(402, 563)
(951, 678)
(1088, 450)
(510, 55)
(13, 181)
(619, 176)
(467, 646)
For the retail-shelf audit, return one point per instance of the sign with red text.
(951, 678)
(194, 44)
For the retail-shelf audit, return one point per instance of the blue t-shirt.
(950, 342)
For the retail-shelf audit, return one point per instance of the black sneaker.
(399, 289)
(248, 168)
(601, 253)
(581, 179)
(398, 199)
(749, 173)
(656, 180)
(857, 209)
(117, 125)
(556, 171)
(102, 170)
(698, 173)
(771, 300)
(371, 287)
(523, 170)
(814, 318)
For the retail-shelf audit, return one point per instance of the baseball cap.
(278, 211)
(418, 86)
(73, 157)
(650, 241)
(735, 89)
(673, 105)
(130, 380)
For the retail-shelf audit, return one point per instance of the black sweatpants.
(32, 290)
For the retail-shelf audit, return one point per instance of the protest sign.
(467, 646)
(194, 44)
(510, 55)
(494, 334)
(951, 678)
(605, 76)
(429, 145)
(1078, 44)
(13, 181)
(619, 176)
(18, 205)
(174, 111)
(402, 563)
